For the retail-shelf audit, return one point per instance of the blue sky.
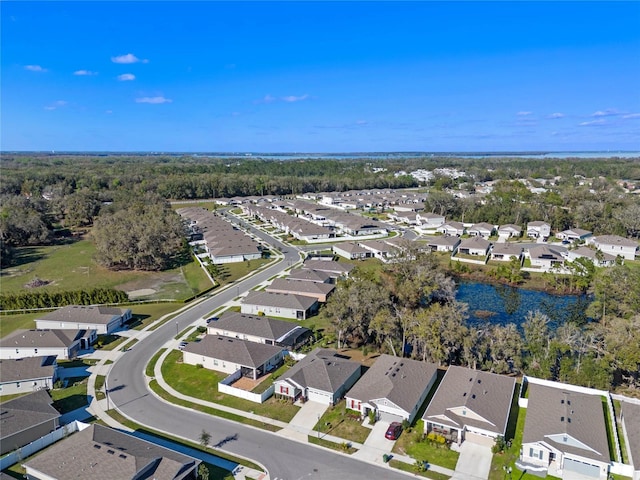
(320, 76)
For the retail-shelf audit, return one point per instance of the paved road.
(284, 459)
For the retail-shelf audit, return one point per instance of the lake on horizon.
(504, 304)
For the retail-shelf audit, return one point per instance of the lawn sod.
(203, 384)
(68, 399)
(344, 447)
(340, 422)
(411, 443)
(405, 467)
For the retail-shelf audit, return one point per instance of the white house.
(443, 244)
(483, 229)
(503, 252)
(394, 388)
(64, 344)
(510, 230)
(538, 229)
(574, 235)
(616, 245)
(599, 259)
(451, 228)
(81, 317)
(430, 220)
(474, 246)
(23, 375)
(564, 433)
(296, 307)
(545, 258)
(351, 251)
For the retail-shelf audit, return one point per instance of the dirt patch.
(143, 292)
(149, 284)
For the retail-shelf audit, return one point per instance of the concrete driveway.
(376, 445)
(474, 462)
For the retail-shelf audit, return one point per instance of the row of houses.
(222, 242)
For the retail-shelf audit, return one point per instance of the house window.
(284, 390)
(215, 362)
(17, 384)
(35, 350)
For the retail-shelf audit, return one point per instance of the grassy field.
(336, 421)
(71, 266)
(74, 396)
(411, 443)
(344, 447)
(203, 383)
(11, 323)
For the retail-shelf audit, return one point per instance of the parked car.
(182, 345)
(394, 431)
(212, 319)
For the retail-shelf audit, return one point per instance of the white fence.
(224, 386)
(37, 445)
(468, 260)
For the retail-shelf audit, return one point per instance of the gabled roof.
(322, 369)
(576, 231)
(544, 251)
(246, 324)
(482, 226)
(475, 242)
(510, 227)
(42, 338)
(351, 247)
(452, 224)
(400, 380)
(538, 223)
(507, 249)
(279, 300)
(592, 254)
(85, 314)
(234, 350)
(615, 240)
(445, 241)
(304, 274)
(102, 453)
(25, 412)
(328, 267)
(29, 368)
(631, 418)
(472, 397)
(569, 421)
(300, 287)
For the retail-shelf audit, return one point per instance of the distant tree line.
(409, 308)
(33, 300)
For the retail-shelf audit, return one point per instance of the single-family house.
(616, 245)
(351, 251)
(283, 305)
(483, 229)
(574, 235)
(474, 246)
(409, 217)
(430, 220)
(538, 229)
(503, 252)
(394, 388)
(455, 229)
(85, 317)
(101, 452)
(19, 375)
(64, 344)
(228, 355)
(470, 405)
(304, 275)
(599, 259)
(26, 419)
(254, 328)
(334, 269)
(323, 376)
(630, 420)
(319, 291)
(545, 258)
(443, 244)
(564, 433)
(380, 250)
(510, 230)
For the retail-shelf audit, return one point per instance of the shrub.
(500, 445)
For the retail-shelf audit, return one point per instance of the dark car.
(212, 319)
(394, 431)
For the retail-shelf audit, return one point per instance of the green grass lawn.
(74, 396)
(99, 385)
(336, 421)
(341, 447)
(152, 363)
(144, 314)
(405, 467)
(77, 362)
(411, 443)
(109, 342)
(230, 272)
(203, 383)
(11, 323)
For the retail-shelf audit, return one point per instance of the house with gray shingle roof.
(509, 230)
(254, 328)
(451, 228)
(228, 355)
(64, 344)
(29, 374)
(474, 246)
(616, 245)
(470, 405)
(26, 419)
(322, 376)
(334, 269)
(283, 305)
(351, 251)
(482, 229)
(103, 453)
(85, 317)
(443, 244)
(564, 432)
(574, 235)
(305, 275)
(503, 252)
(394, 388)
(630, 420)
(319, 291)
(599, 259)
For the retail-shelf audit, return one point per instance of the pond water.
(503, 304)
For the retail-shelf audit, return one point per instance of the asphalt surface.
(284, 459)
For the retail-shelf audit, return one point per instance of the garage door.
(478, 439)
(319, 397)
(389, 417)
(576, 470)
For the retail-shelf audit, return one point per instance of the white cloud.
(128, 58)
(267, 99)
(55, 105)
(556, 115)
(35, 68)
(631, 115)
(108, 112)
(605, 113)
(153, 100)
(126, 77)
(524, 113)
(293, 98)
(84, 73)
(593, 123)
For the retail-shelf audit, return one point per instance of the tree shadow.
(24, 256)
(136, 320)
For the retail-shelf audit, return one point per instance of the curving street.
(283, 458)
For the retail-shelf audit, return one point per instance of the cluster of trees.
(140, 233)
(409, 308)
(45, 299)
